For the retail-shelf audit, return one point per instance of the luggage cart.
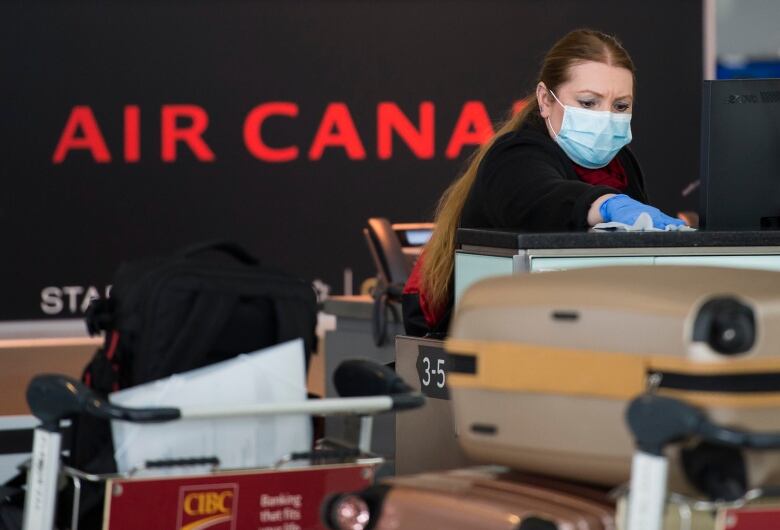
(217, 499)
(657, 422)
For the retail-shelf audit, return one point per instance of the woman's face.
(591, 85)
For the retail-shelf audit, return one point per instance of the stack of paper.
(272, 375)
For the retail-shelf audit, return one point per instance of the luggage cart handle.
(369, 387)
(54, 397)
(360, 378)
(410, 401)
(656, 421)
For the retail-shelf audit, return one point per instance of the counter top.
(598, 239)
(349, 306)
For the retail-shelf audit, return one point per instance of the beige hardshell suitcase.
(543, 365)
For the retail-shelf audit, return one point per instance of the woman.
(561, 164)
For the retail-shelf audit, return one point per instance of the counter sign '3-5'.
(432, 372)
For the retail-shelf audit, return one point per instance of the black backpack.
(202, 305)
(166, 315)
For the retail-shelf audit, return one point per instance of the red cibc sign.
(258, 500)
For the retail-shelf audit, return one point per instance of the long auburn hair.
(574, 48)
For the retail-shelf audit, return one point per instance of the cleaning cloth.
(643, 223)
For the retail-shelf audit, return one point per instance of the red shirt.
(612, 175)
(414, 286)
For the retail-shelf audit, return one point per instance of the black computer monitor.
(740, 155)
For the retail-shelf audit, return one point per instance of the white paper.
(272, 375)
(643, 223)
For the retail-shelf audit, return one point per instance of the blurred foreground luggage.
(490, 498)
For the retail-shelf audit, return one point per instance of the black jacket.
(527, 182)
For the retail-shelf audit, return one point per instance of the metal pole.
(40, 502)
(647, 494)
(356, 405)
(366, 427)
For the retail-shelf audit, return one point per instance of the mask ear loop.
(548, 118)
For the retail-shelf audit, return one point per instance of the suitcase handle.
(226, 247)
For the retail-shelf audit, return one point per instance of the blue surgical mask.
(591, 138)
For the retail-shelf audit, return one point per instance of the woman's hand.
(624, 209)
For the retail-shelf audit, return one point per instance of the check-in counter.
(484, 253)
(425, 438)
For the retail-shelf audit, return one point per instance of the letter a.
(473, 128)
(337, 130)
(82, 118)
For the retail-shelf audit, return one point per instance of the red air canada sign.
(182, 126)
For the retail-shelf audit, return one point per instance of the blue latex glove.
(624, 209)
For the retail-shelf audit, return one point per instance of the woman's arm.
(526, 189)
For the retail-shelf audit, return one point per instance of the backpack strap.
(103, 373)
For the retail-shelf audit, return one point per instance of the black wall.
(70, 224)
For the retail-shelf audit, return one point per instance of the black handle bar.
(656, 421)
(53, 397)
